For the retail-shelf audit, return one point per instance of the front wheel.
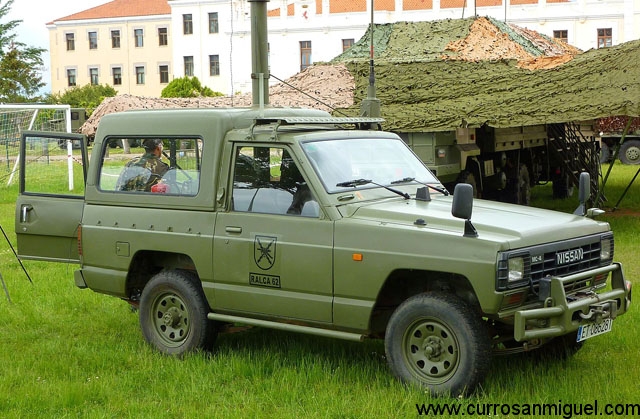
(173, 314)
(438, 342)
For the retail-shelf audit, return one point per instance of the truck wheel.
(562, 187)
(173, 314)
(605, 154)
(524, 191)
(468, 177)
(436, 341)
(630, 152)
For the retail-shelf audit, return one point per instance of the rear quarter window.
(161, 166)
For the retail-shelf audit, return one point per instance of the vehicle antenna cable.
(307, 94)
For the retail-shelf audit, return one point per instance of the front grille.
(552, 261)
(556, 259)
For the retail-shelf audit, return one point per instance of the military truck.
(503, 164)
(289, 219)
(621, 135)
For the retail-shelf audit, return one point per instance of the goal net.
(14, 120)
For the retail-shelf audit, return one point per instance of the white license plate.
(590, 330)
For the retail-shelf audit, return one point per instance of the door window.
(268, 180)
(48, 167)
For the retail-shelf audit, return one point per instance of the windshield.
(384, 161)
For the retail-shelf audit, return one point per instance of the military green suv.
(293, 220)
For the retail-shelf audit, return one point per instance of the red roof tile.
(122, 8)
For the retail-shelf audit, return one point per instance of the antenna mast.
(259, 53)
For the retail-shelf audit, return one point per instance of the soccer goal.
(15, 119)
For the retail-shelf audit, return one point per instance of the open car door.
(53, 172)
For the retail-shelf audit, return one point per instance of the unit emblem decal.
(264, 251)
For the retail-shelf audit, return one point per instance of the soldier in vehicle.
(143, 172)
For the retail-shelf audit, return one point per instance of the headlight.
(516, 269)
(606, 248)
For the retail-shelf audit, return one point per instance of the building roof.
(121, 8)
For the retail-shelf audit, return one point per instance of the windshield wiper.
(359, 182)
(412, 179)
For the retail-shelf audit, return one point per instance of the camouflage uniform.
(141, 173)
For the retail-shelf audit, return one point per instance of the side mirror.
(584, 193)
(462, 207)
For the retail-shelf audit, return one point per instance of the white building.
(210, 39)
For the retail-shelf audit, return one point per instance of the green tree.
(20, 65)
(87, 96)
(187, 87)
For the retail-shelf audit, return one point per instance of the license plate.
(590, 330)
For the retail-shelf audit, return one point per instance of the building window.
(213, 22)
(93, 75)
(188, 66)
(214, 65)
(117, 76)
(305, 54)
(187, 24)
(346, 44)
(115, 39)
(561, 35)
(140, 75)
(604, 38)
(71, 77)
(163, 37)
(164, 74)
(93, 40)
(71, 42)
(138, 34)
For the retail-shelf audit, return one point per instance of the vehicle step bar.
(356, 337)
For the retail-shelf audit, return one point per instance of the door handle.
(24, 212)
(235, 230)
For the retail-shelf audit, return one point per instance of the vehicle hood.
(512, 225)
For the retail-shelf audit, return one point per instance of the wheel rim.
(170, 319)
(633, 154)
(431, 351)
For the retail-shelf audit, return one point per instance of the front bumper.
(561, 316)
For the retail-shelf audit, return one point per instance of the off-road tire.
(173, 314)
(438, 342)
(630, 152)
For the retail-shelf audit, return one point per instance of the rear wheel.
(630, 152)
(438, 342)
(173, 314)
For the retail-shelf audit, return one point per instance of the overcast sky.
(35, 14)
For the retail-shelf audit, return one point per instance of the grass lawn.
(68, 352)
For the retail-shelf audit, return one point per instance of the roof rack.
(313, 120)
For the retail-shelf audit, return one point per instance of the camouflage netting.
(441, 76)
(332, 86)
(433, 76)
